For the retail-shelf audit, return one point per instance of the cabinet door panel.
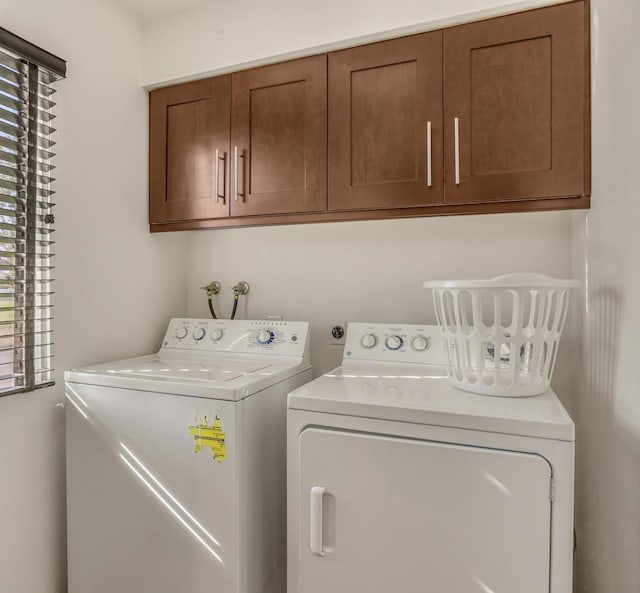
(516, 85)
(381, 98)
(277, 133)
(188, 123)
(279, 116)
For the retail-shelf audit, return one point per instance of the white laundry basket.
(501, 335)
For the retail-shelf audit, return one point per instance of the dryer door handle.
(317, 500)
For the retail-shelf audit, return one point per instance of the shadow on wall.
(601, 339)
(608, 510)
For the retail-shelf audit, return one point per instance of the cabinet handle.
(217, 176)
(235, 173)
(317, 496)
(237, 155)
(429, 180)
(456, 132)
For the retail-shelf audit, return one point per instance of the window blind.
(26, 216)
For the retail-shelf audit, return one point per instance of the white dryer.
(176, 461)
(398, 482)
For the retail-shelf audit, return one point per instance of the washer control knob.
(198, 333)
(394, 342)
(420, 343)
(181, 333)
(216, 334)
(368, 340)
(265, 337)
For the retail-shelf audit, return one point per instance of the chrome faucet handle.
(241, 288)
(212, 288)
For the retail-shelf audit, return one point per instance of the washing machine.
(399, 482)
(176, 475)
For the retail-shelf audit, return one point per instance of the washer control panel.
(394, 343)
(288, 338)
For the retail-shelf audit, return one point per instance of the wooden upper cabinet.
(279, 130)
(188, 124)
(385, 124)
(492, 116)
(517, 88)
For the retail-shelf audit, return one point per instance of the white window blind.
(26, 215)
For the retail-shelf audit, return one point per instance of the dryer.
(176, 461)
(399, 482)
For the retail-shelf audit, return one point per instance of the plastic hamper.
(501, 335)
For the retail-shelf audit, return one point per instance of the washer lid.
(422, 394)
(217, 376)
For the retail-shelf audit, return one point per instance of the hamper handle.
(517, 280)
(529, 279)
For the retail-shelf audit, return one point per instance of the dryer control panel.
(421, 344)
(287, 338)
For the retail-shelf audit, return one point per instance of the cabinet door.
(515, 85)
(188, 124)
(404, 516)
(279, 138)
(385, 124)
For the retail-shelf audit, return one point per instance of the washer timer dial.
(265, 337)
(199, 333)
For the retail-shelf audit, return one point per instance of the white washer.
(176, 461)
(399, 482)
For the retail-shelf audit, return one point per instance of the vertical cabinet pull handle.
(235, 173)
(236, 192)
(429, 180)
(217, 176)
(456, 132)
(216, 179)
(317, 496)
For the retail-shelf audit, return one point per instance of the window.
(26, 216)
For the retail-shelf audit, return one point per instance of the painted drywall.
(217, 37)
(607, 409)
(370, 271)
(116, 285)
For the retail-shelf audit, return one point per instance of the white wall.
(116, 284)
(220, 36)
(607, 409)
(368, 271)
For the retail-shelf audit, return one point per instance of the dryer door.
(403, 516)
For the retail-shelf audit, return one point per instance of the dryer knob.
(181, 333)
(368, 340)
(216, 334)
(420, 343)
(199, 333)
(394, 342)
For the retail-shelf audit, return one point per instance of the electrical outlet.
(338, 333)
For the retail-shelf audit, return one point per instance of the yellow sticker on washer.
(209, 437)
